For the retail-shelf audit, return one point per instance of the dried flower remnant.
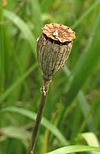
(53, 47)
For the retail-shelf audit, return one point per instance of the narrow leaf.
(76, 148)
(44, 122)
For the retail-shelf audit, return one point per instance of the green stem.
(39, 117)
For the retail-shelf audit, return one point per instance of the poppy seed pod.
(54, 47)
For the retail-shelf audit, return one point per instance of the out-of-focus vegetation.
(72, 112)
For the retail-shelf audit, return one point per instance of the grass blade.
(36, 17)
(86, 109)
(2, 51)
(86, 63)
(22, 26)
(15, 84)
(91, 139)
(76, 148)
(92, 7)
(45, 5)
(16, 133)
(44, 122)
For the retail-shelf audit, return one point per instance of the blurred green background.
(72, 112)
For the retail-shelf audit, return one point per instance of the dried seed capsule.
(53, 47)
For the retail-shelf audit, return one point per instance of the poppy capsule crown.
(54, 47)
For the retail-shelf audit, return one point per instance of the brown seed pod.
(54, 47)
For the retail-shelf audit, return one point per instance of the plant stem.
(39, 116)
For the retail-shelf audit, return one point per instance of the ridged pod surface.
(54, 47)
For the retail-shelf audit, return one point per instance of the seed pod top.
(59, 32)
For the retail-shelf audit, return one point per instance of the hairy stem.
(39, 117)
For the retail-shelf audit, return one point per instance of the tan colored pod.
(53, 48)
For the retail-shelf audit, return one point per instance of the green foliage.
(77, 148)
(44, 122)
(72, 110)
